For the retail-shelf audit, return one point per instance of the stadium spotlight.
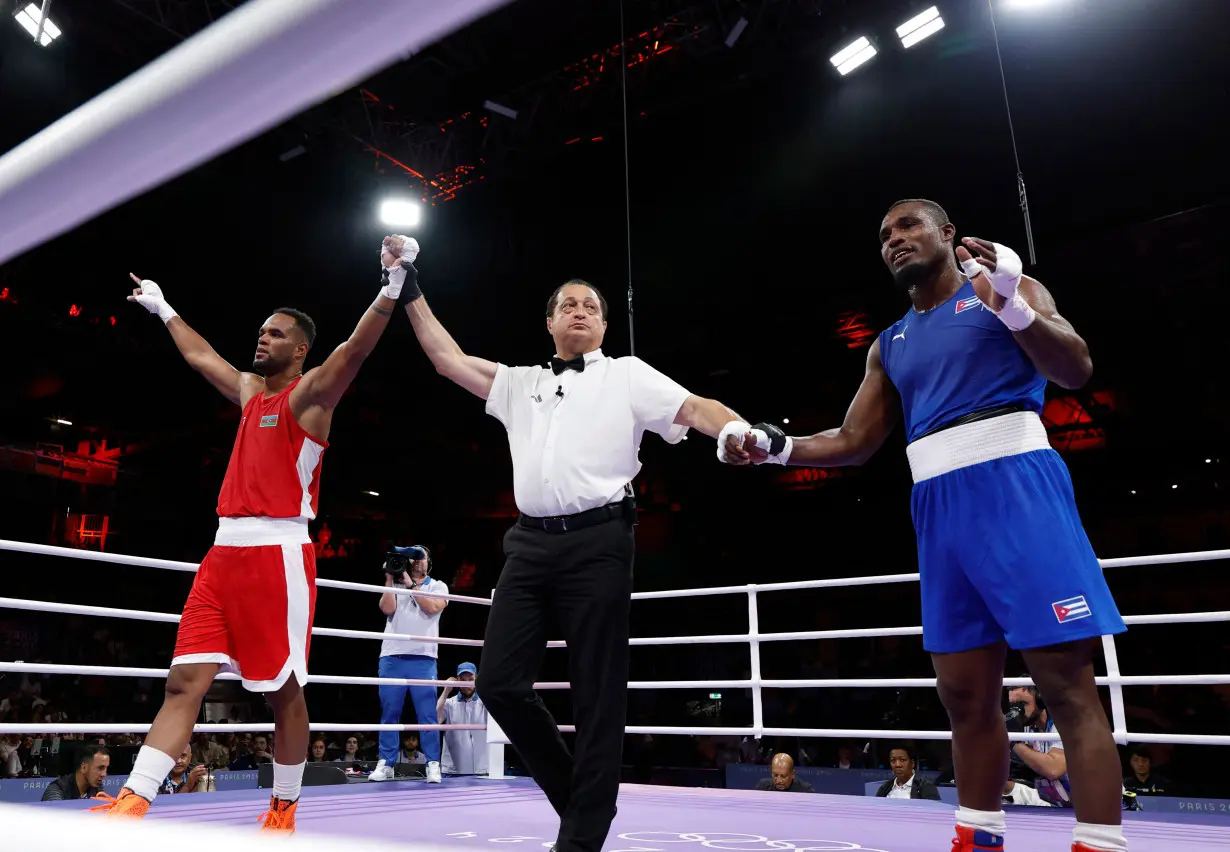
(29, 18)
(920, 26)
(852, 55)
(401, 213)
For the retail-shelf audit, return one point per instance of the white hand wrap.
(396, 272)
(1006, 281)
(152, 300)
(735, 428)
(764, 443)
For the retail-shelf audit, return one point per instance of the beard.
(266, 368)
(917, 272)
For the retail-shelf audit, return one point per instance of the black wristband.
(410, 288)
(777, 438)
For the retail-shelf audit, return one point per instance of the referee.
(574, 431)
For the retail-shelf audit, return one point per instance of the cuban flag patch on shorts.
(1072, 609)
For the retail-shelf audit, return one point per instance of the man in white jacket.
(465, 752)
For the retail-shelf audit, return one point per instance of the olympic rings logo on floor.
(735, 842)
(726, 841)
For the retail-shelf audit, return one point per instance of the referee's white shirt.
(577, 451)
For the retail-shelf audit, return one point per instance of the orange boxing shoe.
(976, 840)
(280, 816)
(127, 804)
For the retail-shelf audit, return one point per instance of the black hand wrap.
(777, 438)
(410, 288)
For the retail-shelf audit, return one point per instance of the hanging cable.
(623, 78)
(1022, 198)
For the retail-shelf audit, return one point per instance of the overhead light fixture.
(29, 18)
(1173, 487)
(64, 422)
(786, 421)
(852, 55)
(920, 26)
(372, 493)
(401, 213)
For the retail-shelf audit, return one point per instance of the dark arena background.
(706, 163)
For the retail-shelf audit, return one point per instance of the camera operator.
(408, 614)
(1041, 761)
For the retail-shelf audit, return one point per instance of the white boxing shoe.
(382, 772)
(433, 772)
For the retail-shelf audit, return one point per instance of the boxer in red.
(250, 608)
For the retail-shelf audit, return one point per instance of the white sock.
(988, 821)
(287, 781)
(1108, 838)
(149, 770)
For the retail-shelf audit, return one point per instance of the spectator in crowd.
(1143, 780)
(465, 752)
(906, 783)
(86, 782)
(409, 658)
(185, 777)
(318, 750)
(410, 752)
(351, 753)
(260, 753)
(845, 757)
(782, 778)
(206, 750)
(10, 757)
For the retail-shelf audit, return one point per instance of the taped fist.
(148, 295)
(400, 277)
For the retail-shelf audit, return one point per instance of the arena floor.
(473, 813)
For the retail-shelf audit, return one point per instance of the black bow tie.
(559, 365)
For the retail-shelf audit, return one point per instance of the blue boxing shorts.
(1001, 550)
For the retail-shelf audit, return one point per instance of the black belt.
(581, 520)
(975, 416)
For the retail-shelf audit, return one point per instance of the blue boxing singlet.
(954, 360)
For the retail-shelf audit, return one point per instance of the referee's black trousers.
(584, 580)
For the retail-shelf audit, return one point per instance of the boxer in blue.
(1003, 556)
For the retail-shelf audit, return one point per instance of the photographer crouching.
(408, 614)
(1043, 762)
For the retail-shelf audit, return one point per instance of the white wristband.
(763, 443)
(1017, 313)
(166, 313)
(784, 456)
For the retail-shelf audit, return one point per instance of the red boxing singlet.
(274, 471)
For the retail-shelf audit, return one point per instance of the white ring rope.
(753, 637)
(257, 66)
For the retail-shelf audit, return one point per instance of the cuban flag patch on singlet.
(268, 420)
(1071, 610)
(968, 304)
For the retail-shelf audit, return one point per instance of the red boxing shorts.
(252, 603)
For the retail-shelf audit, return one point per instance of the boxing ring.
(255, 67)
(469, 812)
